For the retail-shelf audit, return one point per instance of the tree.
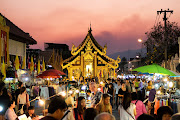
(155, 42)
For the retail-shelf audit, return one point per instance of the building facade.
(89, 60)
(13, 41)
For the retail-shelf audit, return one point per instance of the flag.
(24, 63)
(32, 64)
(38, 69)
(3, 70)
(17, 63)
(43, 66)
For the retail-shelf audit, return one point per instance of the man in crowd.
(56, 109)
(96, 95)
(104, 116)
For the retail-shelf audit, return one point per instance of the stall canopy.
(51, 73)
(154, 68)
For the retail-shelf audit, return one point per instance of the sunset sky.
(119, 23)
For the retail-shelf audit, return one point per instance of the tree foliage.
(155, 42)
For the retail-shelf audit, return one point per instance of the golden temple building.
(89, 60)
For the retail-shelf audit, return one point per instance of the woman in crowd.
(90, 114)
(104, 105)
(23, 100)
(140, 107)
(110, 91)
(121, 92)
(10, 114)
(81, 107)
(127, 110)
(164, 113)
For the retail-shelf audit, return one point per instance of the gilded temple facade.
(89, 60)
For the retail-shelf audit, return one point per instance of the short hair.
(22, 90)
(103, 115)
(31, 108)
(164, 110)
(90, 114)
(19, 84)
(176, 116)
(11, 102)
(145, 117)
(58, 102)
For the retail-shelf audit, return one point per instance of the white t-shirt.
(124, 115)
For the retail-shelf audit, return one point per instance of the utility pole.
(165, 33)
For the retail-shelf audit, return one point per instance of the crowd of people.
(127, 96)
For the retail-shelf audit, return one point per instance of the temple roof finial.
(90, 28)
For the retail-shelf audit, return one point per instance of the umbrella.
(51, 73)
(154, 68)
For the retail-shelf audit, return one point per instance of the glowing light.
(77, 91)
(170, 84)
(158, 92)
(50, 78)
(165, 79)
(99, 89)
(83, 87)
(1, 108)
(89, 98)
(101, 82)
(47, 78)
(156, 85)
(26, 79)
(63, 93)
(41, 102)
(70, 91)
(139, 40)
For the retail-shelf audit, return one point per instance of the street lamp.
(140, 40)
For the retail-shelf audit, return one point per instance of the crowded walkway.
(89, 99)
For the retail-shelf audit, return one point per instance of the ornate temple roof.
(89, 44)
(93, 40)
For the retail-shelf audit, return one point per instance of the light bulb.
(41, 102)
(1, 108)
(77, 91)
(170, 84)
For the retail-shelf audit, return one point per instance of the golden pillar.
(82, 63)
(95, 64)
(114, 73)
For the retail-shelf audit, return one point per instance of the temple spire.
(90, 28)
